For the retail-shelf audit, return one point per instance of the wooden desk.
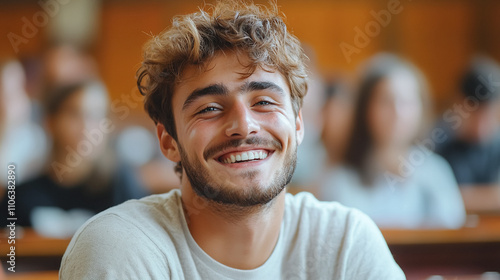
(481, 199)
(484, 229)
(34, 252)
(31, 244)
(469, 250)
(39, 275)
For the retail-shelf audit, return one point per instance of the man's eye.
(263, 102)
(208, 109)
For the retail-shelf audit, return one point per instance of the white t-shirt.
(149, 239)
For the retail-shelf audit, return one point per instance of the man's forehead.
(240, 62)
(229, 69)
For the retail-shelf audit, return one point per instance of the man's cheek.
(192, 134)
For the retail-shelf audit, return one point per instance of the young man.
(225, 91)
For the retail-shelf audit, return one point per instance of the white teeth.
(244, 156)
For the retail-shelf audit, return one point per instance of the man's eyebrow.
(215, 89)
(261, 85)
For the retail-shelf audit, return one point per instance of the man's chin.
(238, 194)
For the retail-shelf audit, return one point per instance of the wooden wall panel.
(125, 27)
(439, 37)
(491, 28)
(11, 20)
(324, 25)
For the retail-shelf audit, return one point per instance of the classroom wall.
(439, 36)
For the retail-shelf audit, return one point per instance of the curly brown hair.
(255, 30)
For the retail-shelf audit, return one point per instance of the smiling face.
(237, 135)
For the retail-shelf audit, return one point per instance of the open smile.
(240, 156)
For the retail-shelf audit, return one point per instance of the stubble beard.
(239, 198)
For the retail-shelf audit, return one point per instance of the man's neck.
(241, 240)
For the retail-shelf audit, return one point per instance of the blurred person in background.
(397, 183)
(155, 172)
(337, 113)
(22, 140)
(66, 64)
(473, 144)
(311, 153)
(81, 176)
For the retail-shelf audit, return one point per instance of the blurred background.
(73, 124)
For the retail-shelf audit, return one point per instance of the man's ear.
(299, 127)
(168, 145)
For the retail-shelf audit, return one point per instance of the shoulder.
(334, 214)
(305, 201)
(337, 181)
(340, 173)
(39, 183)
(147, 212)
(346, 239)
(425, 160)
(137, 230)
(111, 248)
(435, 165)
(431, 171)
(36, 191)
(437, 160)
(150, 207)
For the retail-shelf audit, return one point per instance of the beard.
(228, 194)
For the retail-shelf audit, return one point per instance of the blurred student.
(22, 141)
(398, 184)
(473, 148)
(337, 120)
(81, 178)
(310, 153)
(155, 172)
(66, 64)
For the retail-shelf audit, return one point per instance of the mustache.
(234, 143)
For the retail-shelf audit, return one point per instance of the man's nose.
(241, 121)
